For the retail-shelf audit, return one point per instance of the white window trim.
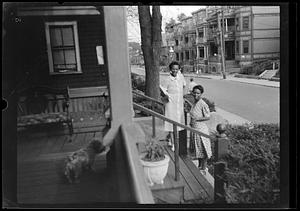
(50, 59)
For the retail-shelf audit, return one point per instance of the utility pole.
(221, 30)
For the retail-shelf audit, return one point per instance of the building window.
(237, 23)
(237, 47)
(186, 39)
(245, 23)
(187, 55)
(176, 41)
(245, 46)
(63, 47)
(181, 56)
(200, 34)
(177, 56)
(201, 52)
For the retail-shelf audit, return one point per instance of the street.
(259, 104)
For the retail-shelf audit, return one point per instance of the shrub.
(138, 82)
(253, 164)
(154, 152)
(190, 97)
(211, 105)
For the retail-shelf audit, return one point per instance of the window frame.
(237, 23)
(246, 46)
(187, 54)
(186, 39)
(248, 22)
(200, 48)
(237, 46)
(76, 43)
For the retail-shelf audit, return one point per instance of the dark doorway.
(229, 50)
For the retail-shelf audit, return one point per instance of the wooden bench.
(39, 106)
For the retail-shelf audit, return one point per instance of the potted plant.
(155, 163)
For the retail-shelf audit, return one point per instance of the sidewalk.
(261, 82)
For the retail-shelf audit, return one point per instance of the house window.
(187, 55)
(237, 47)
(177, 56)
(245, 46)
(201, 52)
(245, 23)
(237, 23)
(63, 47)
(186, 39)
(201, 34)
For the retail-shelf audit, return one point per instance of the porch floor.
(40, 178)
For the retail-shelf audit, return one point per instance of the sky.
(167, 12)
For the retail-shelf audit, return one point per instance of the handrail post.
(221, 149)
(153, 127)
(183, 138)
(176, 144)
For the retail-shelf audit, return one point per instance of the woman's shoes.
(204, 171)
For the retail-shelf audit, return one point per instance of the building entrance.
(229, 50)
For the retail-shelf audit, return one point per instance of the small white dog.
(82, 159)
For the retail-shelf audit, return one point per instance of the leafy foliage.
(190, 98)
(154, 152)
(257, 67)
(253, 164)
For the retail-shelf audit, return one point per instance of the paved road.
(256, 103)
(259, 104)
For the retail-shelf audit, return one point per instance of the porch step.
(168, 195)
(267, 74)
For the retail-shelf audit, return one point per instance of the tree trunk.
(151, 44)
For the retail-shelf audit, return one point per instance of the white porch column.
(226, 25)
(121, 110)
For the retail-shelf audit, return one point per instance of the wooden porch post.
(120, 91)
(221, 149)
(118, 69)
(176, 154)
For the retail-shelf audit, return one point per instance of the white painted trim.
(50, 58)
(58, 10)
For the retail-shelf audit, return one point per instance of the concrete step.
(267, 74)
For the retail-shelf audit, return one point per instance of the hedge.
(253, 164)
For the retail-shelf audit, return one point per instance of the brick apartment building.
(251, 33)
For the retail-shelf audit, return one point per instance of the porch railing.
(221, 149)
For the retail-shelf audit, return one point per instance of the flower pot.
(155, 171)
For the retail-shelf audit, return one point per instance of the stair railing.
(175, 127)
(221, 143)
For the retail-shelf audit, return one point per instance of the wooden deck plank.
(202, 181)
(188, 192)
(59, 143)
(70, 146)
(78, 139)
(50, 142)
(30, 147)
(191, 181)
(47, 187)
(87, 139)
